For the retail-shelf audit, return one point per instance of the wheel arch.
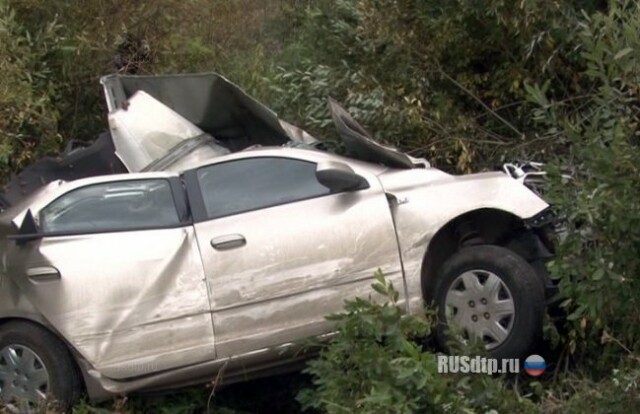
(41, 323)
(32, 320)
(481, 226)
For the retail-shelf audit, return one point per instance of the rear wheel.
(36, 369)
(491, 293)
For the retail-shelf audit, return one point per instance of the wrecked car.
(204, 237)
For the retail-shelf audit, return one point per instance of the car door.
(281, 252)
(118, 274)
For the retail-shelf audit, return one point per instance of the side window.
(250, 184)
(123, 205)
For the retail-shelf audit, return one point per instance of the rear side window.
(114, 206)
(250, 184)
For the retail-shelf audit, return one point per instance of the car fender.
(423, 201)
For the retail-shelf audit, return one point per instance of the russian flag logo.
(534, 365)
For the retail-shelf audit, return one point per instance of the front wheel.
(491, 293)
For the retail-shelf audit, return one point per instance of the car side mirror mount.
(28, 230)
(339, 177)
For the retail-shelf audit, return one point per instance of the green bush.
(445, 80)
(376, 365)
(466, 84)
(616, 392)
(28, 115)
(598, 264)
(53, 53)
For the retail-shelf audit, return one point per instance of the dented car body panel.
(226, 264)
(428, 200)
(112, 294)
(320, 251)
(122, 315)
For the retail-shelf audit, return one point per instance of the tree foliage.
(598, 264)
(466, 84)
(377, 365)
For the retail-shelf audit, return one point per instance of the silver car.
(213, 256)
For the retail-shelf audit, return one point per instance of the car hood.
(361, 145)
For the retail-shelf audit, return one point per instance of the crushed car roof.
(172, 122)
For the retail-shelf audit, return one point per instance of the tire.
(516, 298)
(64, 383)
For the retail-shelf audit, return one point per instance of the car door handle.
(43, 274)
(229, 241)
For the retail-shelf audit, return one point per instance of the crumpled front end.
(425, 201)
